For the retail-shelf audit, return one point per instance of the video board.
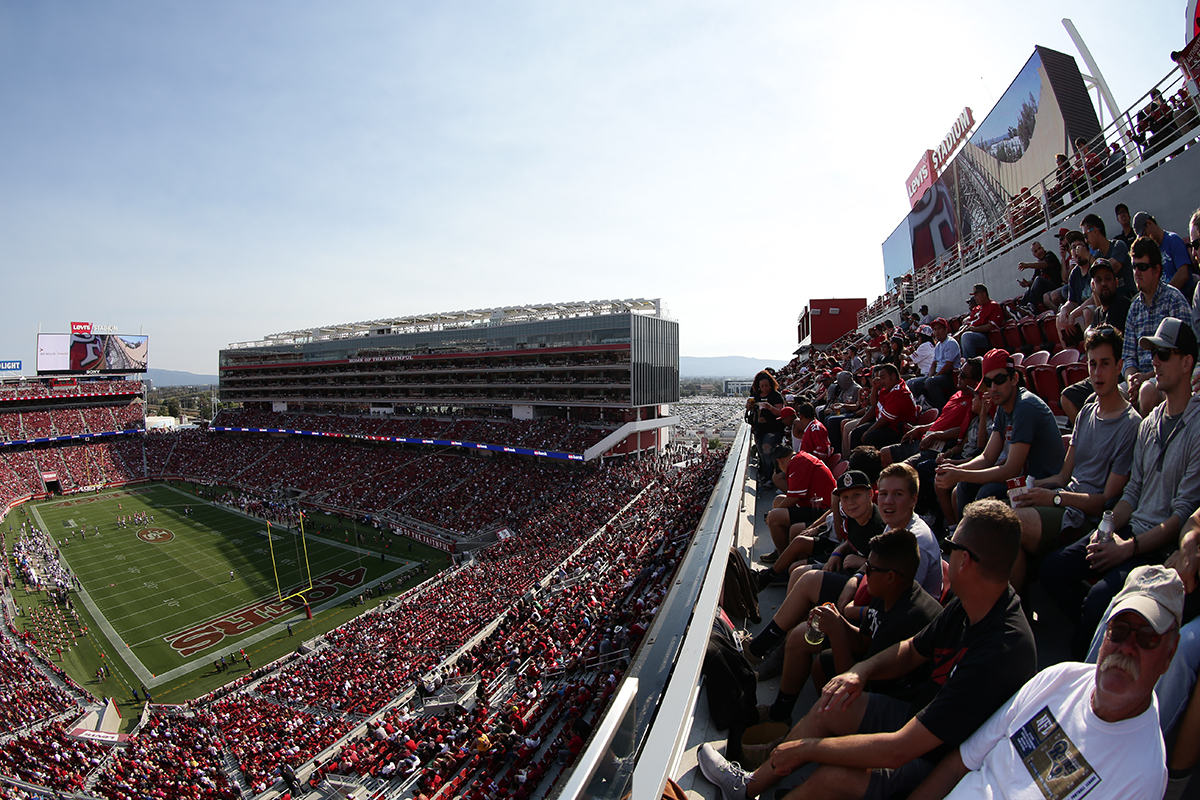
(65, 353)
(1012, 149)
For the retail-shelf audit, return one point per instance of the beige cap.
(1156, 593)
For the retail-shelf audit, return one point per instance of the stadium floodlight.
(275, 564)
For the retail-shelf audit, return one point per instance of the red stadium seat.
(1068, 356)
(927, 416)
(1072, 373)
(1050, 330)
(1035, 358)
(1012, 337)
(1043, 381)
(1031, 332)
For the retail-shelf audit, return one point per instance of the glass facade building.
(603, 361)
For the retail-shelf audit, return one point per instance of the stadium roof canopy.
(503, 315)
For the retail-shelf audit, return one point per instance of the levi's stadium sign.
(934, 161)
(81, 327)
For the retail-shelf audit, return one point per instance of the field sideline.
(158, 596)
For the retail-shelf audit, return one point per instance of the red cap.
(995, 359)
(1062, 232)
(940, 321)
(787, 414)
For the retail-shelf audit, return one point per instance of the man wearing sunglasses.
(1156, 300)
(1023, 424)
(1178, 266)
(1162, 492)
(980, 649)
(1078, 729)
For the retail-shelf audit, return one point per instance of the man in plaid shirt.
(1156, 300)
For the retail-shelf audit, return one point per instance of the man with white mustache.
(1075, 729)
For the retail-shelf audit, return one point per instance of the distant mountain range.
(171, 377)
(723, 366)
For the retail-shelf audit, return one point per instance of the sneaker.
(769, 577)
(727, 776)
(771, 665)
(769, 558)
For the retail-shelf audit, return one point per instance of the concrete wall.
(1171, 193)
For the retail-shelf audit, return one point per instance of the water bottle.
(1029, 483)
(1104, 533)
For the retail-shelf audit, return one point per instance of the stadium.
(483, 553)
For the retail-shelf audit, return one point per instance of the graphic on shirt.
(945, 659)
(1053, 760)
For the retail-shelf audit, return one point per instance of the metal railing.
(665, 675)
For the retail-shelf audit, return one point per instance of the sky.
(208, 173)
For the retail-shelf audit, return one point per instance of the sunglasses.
(870, 569)
(949, 546)
(1163, 353)
(999, 380)
(1147, 637)
(1194, 244)
(1141, 266)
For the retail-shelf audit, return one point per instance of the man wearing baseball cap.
(939, 383)
(985, 317)
(1077, 729)
(923, 354)
(1024, 425)
(1162, 492)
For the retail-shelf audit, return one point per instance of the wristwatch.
(1057, 498)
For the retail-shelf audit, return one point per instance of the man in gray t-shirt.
(1059, 509)
(1023, 426)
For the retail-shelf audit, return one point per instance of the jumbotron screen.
(64, 353)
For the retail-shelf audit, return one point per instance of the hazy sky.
(213, 172)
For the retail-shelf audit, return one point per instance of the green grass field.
(158, 597)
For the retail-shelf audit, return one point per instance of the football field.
(174, 593)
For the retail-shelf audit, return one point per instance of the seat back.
(927, 416)
(1012, 337)
(1072, 373)
(1031, 331)
(1068, 355)
(1043, 381)
(1035, 358)
(1050, 331)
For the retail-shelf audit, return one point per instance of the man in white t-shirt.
(1075, 729)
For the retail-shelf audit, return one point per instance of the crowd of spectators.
(50, 758)
(73, 421)
(549, 662)
(546, 434)
(1074, 403)
(173, 755)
